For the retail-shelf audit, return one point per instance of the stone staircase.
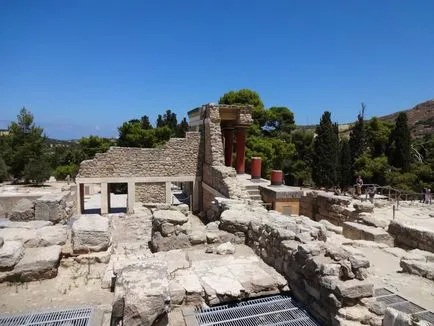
(254, 193)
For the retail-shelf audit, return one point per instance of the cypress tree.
(325, 153)
(345, 167)
(400, 139)
(358, 136)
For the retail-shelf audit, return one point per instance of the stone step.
(357, 231)
(253, 192)
(256, 197)
(251, 187)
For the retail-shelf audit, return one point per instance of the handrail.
(390, 191)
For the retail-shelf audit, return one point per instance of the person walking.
(359, 184)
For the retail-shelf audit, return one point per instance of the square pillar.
(168, 193)
(131, 197)
(104, 199)
(228, 134)
(80, 198)
(241, 149)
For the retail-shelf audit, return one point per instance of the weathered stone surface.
(52, 207)
(331, 227)
(354, 289)
(10, 254)
(410, 236)
(418, 262)
(1, 242)
(226, 249)
(197, 237)
(365, 207)
(170, 216)
(24, 225)
(145, 288)
(38, 263)
(235, 220)
(358, 231)
(160, 243)
(40, 237)
(23, 210)
(90, 233)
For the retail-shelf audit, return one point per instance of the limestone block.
(38, 263)
(167, 229)
(23, 210)
(358, 231)
(24, 225)
(145, 288)
(365, 207)
(160, 243)
(10, 254)
(49, 235)
(169, 216)
(331, 227)
(197, 237)
(51, 207)
(226, 249)
(90, 233)
(354, 289)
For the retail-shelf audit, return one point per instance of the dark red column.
(229, 145)
(241, 149)
(256, 167)
(276, 177)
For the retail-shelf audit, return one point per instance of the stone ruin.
(146, 266)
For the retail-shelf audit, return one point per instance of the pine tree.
(400, 139)
(326, 153)
(358, 136)
(345, 174)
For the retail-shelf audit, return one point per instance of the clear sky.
(84, 67)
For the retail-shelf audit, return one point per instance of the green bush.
(37, 171)
(62, 171)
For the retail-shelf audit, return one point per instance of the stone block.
(23, 210)
(354, 289)
(38, 263)
(51, 207)
(169, 216)
(91, 233)
(10, 254)
(226, 248)
(356, 231)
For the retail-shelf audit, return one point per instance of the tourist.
(422, 195)
(428, 197)
(372, 191)
(359, 184)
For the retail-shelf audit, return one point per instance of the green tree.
(25, 142)
(400, 140)
(326, 152)
(94, 144)
(144, 122)
(378, 133)
(345, 167)
(3, 170)
(37, 170)
(300, 168)
(280, 121)
(358, 136)
(372, 169)
(182, 128)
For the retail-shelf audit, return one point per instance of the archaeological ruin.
(204, 243)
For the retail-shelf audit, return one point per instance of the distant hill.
(420, 120)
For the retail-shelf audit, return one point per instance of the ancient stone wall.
(413, 237)
(151, 192)
(323, 276)
(320, 205)
(178, 157)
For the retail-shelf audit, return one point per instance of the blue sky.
(84, 67)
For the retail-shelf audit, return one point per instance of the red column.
(229, 145)
(276, 177)
(256, 168)
(241, 149)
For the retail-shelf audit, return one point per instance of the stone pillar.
(168, 193)
(255, 169)
(228, 134)
(131, 197)
(195, 203)
(109, 203)
(80, 198)
(276, 177)
(241, 149)
(104, 203)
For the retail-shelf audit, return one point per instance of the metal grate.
(67, 317)
(407, 307)
(426, 315)
(382, 291)
(277, 310)
(391, 299)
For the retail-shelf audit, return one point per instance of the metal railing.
(387, 191)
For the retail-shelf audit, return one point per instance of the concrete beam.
(131, 197)
(186, 178)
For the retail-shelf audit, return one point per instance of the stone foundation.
(408, 236)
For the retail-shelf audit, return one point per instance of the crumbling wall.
(215, 174)
(320, 205)
(410, 236)
(323, 276)
(151, 192)
(178, 157)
